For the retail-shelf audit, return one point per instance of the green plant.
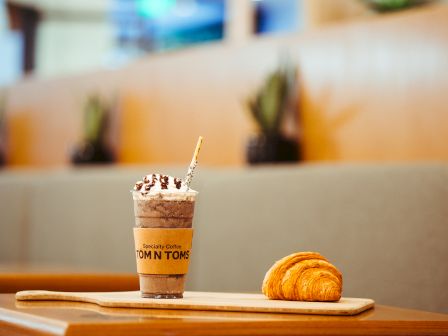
(269, 103)
(94, 147)
(95, 118)
(394, 5)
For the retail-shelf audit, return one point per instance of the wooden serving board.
(206, 301)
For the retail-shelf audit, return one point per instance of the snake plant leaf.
(267, 106)
(269, 101)
(94, 119)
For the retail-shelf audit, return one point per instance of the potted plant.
(93, 148)
(269, 107)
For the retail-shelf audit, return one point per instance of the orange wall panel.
(377, 90)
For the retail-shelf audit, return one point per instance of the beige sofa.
(384, 226)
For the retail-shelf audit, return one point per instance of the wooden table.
(12, 283)
(71, 318)
(16, 277)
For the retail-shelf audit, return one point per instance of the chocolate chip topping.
(177, 182)
(164, 181)
(158, 182)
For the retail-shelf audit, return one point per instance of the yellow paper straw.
(193, 164)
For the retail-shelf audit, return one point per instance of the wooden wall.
(374, 90)
(325, 12)
(378, 90)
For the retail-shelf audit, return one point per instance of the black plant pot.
(92, 153)
(271, 148)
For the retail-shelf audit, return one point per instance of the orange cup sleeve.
(163, 251)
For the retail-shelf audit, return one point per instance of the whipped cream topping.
(159, 183)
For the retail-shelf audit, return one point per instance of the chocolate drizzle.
(138, 185)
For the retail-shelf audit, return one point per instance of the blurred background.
(345, 102)
(305, 80)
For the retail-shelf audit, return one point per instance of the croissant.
(303, 276)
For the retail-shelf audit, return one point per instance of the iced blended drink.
(163, 208)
